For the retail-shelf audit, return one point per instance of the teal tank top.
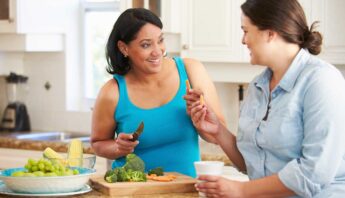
(169, 139)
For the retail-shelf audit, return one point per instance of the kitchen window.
(99, 17)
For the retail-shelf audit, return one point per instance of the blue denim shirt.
(303, 138)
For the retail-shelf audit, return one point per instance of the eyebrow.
(148, 40)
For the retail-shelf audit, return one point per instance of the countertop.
(6, 142)
(95, 193)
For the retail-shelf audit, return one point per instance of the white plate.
(6, 191)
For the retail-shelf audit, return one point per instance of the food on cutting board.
(156, 171)
(162, 178)
(133, 171)
(157, 174)
(53, 164)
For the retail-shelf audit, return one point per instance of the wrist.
(220, 133)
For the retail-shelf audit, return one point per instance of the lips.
(155, 61)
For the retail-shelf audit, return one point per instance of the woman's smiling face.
(256, 41)
(146, 51)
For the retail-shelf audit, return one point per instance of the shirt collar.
(289, 79)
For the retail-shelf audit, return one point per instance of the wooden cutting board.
(182, 184)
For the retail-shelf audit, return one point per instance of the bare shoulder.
(109, 93)
(192, 63)
(194, 67)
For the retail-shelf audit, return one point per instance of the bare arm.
(200, 80)
(104, 124)
(270, 187)
(227, 141)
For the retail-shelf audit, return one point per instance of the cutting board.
(182, 184)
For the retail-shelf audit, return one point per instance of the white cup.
(208, 168)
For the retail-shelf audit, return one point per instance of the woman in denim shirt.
(291, 131)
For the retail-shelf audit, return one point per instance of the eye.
(161, 40)
(145, 45)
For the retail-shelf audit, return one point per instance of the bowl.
(88, 161)
(55, 184)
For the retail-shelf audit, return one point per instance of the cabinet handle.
(185, 46)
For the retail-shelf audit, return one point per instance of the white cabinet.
(33, 25)
(211, 31)
(331, 15)
(34, 16)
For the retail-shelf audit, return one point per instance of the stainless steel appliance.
(15, 117)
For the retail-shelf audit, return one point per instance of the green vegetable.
(134, 163)
(133, 170)
(122, 175)
(157, 171)
(110, 176)
(137, 176)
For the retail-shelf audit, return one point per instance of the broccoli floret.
(122, 175)
(157, 171)
(133, 170)
(137, 176)
(110, 176)
(134, 163)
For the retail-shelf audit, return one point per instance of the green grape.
(34, 168)
(48, 163)
(59, 173)
(32, 161)
(29, 175)
(41, 166)
(49, 167)
(75, 172)
(28, 166)
(50, 174)
(18, 174)
(68, 172)
(38, 173)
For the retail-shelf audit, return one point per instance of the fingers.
(198, 112)
(210, 187)
(209, 178)
(124, 143)
(192, 95)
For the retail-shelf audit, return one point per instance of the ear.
(272, 35)
(123, 48)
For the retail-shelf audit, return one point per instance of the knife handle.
(135, 137)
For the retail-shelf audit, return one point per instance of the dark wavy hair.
(125, 29)
(285, 17)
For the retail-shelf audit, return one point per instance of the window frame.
(87, 6)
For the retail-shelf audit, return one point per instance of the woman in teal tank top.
(148, 87)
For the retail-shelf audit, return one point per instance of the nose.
(158, 50)
(243, 40)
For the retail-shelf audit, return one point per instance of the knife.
(138, 132)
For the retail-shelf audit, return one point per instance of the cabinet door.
(330, 13)
(38, 16)
(7, 15)
(211, 30)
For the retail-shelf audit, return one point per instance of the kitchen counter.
(95, 193)
(7, 142)
(12, 143)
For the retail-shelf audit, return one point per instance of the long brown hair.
(287, 18)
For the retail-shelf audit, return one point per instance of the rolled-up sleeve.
(324, 134)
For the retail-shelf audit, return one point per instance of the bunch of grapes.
(45, 167)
